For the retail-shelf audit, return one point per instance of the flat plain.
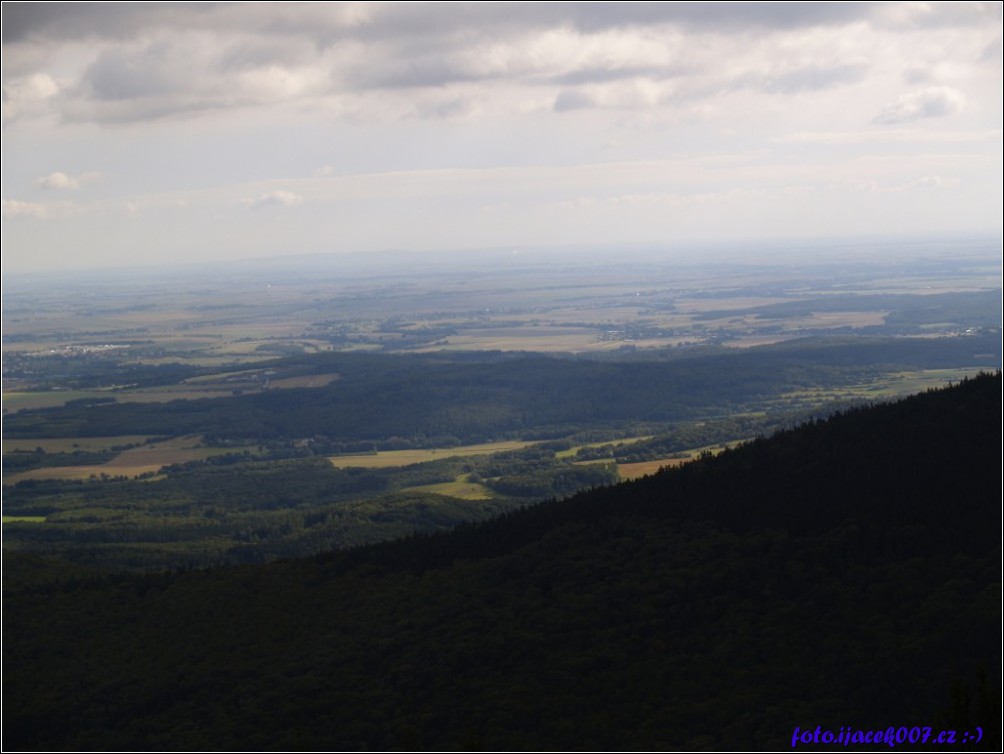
(568, 302)
(220, 414)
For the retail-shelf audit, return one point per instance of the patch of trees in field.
(38, 459)
(686, 436)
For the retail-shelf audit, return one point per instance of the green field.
(18, 400)
(907, 383)
(892, 385)
(70, 444)
(459, 488)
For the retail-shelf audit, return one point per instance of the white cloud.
(274, 199)
(15, 208)
(27, 94)
(60, 181)
(925, 183)
(427, 111)
(898, 135)
(935, 182)
(277, 83)
(931, 102)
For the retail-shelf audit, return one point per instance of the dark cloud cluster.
(154, 70)
(932, 102)
(427, 71)
(26, 21)
(723, 16)
(326, 22)
(814, 78)
(65, 20)
(157, 59)
(597, 75)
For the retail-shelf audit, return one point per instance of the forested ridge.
(429, 400)
(842, 573)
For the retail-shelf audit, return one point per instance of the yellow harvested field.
(839, 319)
(131, 463)
(157, 456)
(757, 340)
(391, 458)
(636, 470)
(310, 380)
(527, 340)
(219, 377)
(644, 468)
(77, 472)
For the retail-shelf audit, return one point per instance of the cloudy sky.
(163, 132)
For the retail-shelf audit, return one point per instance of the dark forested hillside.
(844, 574)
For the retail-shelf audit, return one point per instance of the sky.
(152, 133)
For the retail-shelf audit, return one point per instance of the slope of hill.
(845, 574)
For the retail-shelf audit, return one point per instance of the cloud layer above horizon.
(137, 133)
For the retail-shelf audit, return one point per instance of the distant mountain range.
(843, 575)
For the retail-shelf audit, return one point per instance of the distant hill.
(844, 574)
